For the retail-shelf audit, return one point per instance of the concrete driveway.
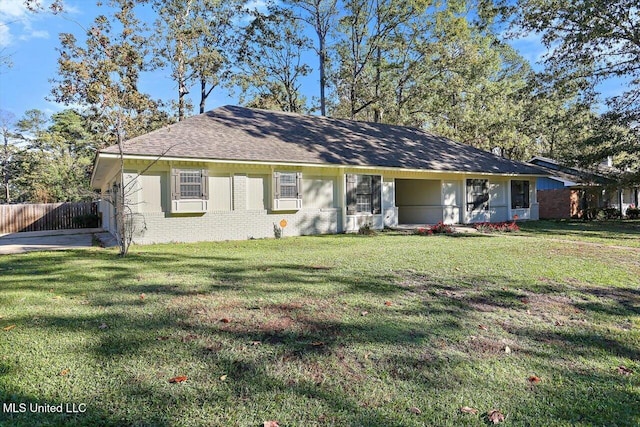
(16, 243)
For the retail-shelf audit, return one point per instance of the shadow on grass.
(307, 350)
(625, 230)
(28, 411)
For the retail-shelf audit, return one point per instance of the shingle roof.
(244, 134)
(577, 176)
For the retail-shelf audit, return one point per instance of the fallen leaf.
(483, 327)
(495, 416)
(415, 410)
(507, 349)
(178, 379)
(64, 372)
(103, 326)
(525, 300)
(387, 303)
(223, 378)
(317, 343)
(225, 320)
(623, 370)
(468, 410)
(8, 328)
(364, 313)
(534, 380)
(271, 424)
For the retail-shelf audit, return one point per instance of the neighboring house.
(570, 192)
(236, 173)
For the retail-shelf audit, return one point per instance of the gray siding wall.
(238, 208)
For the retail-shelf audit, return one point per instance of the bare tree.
(319, 14)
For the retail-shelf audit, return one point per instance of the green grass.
(612, 232)
(298, 346)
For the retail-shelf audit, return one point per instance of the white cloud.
(5, 36)
(16, 22)
(34, 34)
(13, 9)
(260, 5)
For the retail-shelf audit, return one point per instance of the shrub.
(421, 231)
(611, 213)
(367, 230)
(633, 213)
(441, 228)
(498, 227)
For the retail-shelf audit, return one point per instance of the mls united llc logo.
(37, 408)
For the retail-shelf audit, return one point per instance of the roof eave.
(154, 157)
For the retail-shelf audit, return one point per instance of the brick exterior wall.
(234, 225)
(556, 204)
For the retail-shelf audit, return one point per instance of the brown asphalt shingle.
(237, 133)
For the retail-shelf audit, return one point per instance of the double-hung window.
(477, 195)
(364, 194)
(519, 194)
(191, 184)
(189, 190)
(287, 190)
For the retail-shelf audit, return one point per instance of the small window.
(287, 185)
(189, 184)
(519, 194)
(364, 194)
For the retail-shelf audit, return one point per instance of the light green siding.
(220, 193)
(257, 195)
(318, 192)
(154, 192)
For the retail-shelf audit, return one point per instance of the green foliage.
(194, 39)
(612, 136)
(102, 73)
(270, 61)
(593, 41)
(52, 159)
(633, 213)
(367, 230)
(310, 339)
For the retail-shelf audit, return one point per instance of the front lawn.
(387, 330)
(610, 232)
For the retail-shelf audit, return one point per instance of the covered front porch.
(428, 201)
(470, 199)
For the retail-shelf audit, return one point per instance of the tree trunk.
(5, 170)
(182, 86)
(376, 95)
(323, 79)
(203, 94)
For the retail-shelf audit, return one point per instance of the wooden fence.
(50, 216)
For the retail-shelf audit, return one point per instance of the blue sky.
(31, 40)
